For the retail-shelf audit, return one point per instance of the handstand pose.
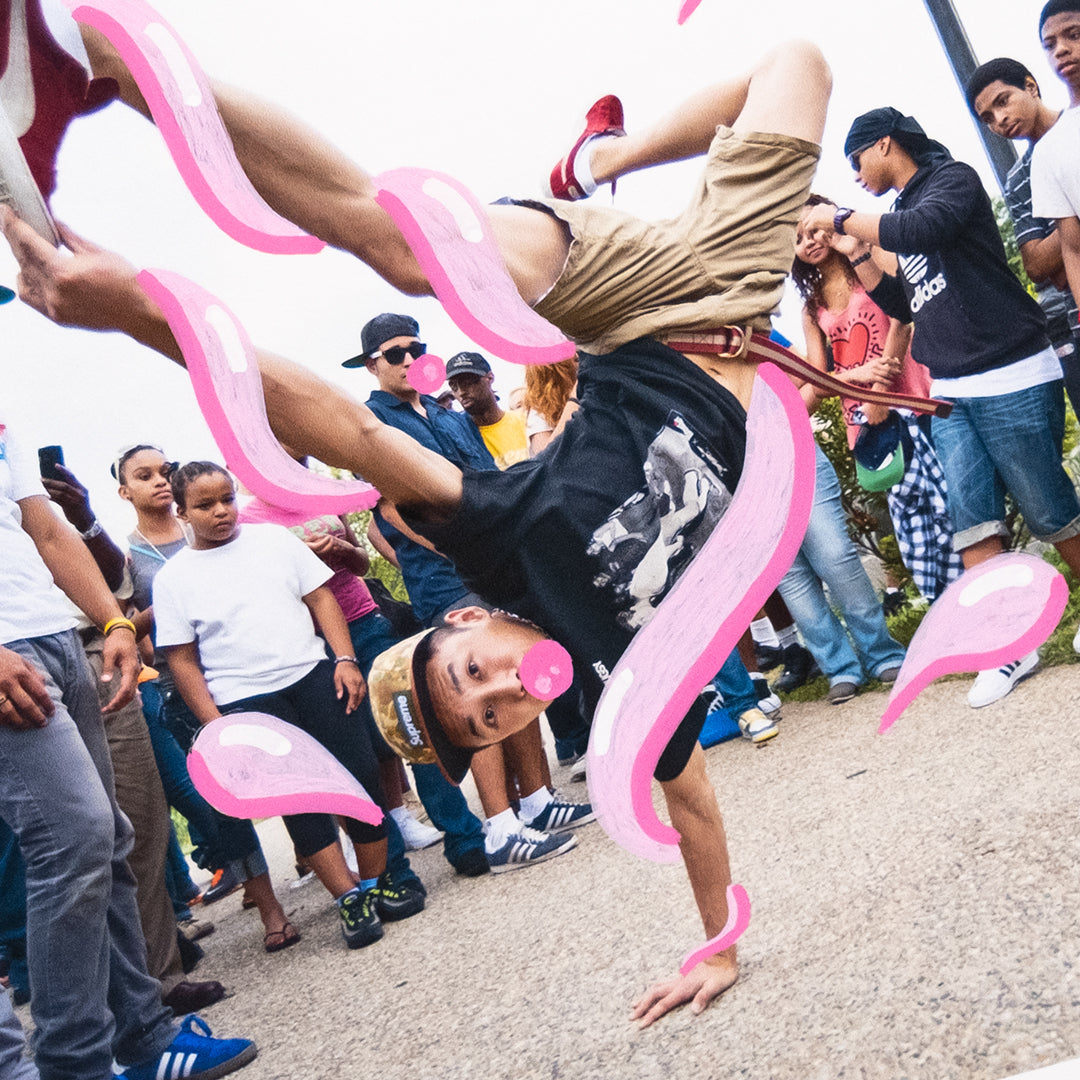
(557, 540)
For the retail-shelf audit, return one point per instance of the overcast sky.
(492, 93)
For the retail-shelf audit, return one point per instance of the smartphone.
(48, 458)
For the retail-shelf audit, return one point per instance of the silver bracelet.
(94, 530)
(346, 660)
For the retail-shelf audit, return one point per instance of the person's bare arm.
(328, 616)
(381, 544)
(1043, 261)
(70, 494)
(695, 814)
(190, 680)
(1069, 231)
(97, 290)
(75, 572)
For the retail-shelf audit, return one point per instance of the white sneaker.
(993, 685)
(416, 834)
(757, 727)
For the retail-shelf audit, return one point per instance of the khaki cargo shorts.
(722, 262)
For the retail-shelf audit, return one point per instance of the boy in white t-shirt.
(234, 614)
(1055, 162)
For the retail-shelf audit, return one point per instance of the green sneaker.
(360, 924)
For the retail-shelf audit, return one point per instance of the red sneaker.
(44, 84)
(604, 118)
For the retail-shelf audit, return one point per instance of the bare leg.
(261, 890)
(526, 760)
(980, 552)
(390, 775)
(332, 870)
(786, 92)
(489, 773)
(1069, 550)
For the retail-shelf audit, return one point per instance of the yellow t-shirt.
(506, 440)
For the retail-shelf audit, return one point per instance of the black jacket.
(971, 314)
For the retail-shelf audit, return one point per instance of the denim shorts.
(1010, 442)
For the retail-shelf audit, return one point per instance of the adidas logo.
(926, 291)
(914, 267)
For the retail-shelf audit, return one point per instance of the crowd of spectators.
(556, 507)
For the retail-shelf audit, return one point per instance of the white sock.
(534, 804)
(761, 630)
(787, 637)
(583, 163)
(498, 829)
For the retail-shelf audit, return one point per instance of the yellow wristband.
(114, 624)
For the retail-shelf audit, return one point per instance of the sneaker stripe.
(192, 1058)
(163, 1065)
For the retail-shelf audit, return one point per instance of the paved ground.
(914, 916)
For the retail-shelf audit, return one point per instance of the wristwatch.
(839, 218)
(94, 530)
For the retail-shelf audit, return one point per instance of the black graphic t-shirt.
(587, 538)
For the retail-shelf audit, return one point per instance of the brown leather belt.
(735, 343)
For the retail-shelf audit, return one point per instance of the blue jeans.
(92, 995)
(220, 841)
(13, 908)
(1011, 442)
(13, 1066)
(371, 635)
(828, 554)
(735, 685)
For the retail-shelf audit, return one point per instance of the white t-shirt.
(1055, 169)
(30, 603)
(1035, 370)
(241, 603)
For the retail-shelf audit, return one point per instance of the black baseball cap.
(466, 363)
(382, 328)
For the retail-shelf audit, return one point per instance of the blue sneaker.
(561, 814)
(193, 1054)
(526, 847)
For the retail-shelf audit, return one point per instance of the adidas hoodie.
(971, 314)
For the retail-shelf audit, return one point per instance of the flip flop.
(276, 940)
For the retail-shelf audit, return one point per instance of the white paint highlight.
(221, 322)
(604, 720)
(1015, 576)
(176, 61)
(467, 222)
(271, 742)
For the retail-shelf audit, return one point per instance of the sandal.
(276, 940)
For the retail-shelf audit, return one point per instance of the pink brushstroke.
(546, 670)
(701, 619)
(1004, 625)
(467, 273)
(232, 402)
(688, 8)
(426, 374)
(738, 920)
(239, 777)
(184, 111)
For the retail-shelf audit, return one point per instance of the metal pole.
(954, 41)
